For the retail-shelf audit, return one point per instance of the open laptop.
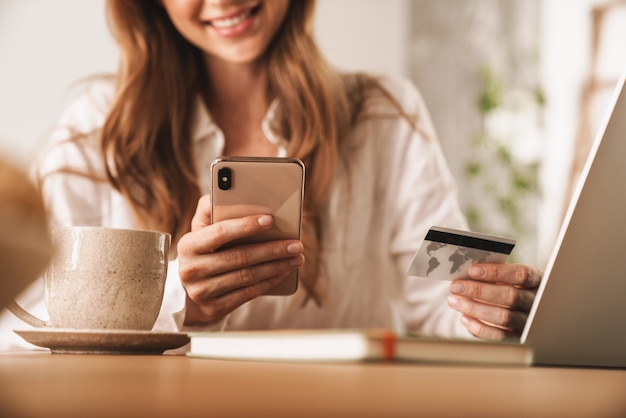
(579, 315)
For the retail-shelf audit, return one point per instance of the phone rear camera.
(224, 178)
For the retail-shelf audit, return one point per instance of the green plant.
(504, 163)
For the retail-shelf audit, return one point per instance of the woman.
(200, 79)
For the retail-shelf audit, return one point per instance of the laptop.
(579, 315)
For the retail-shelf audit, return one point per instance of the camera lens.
(224, 178)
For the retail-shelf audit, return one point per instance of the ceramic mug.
(103, 278)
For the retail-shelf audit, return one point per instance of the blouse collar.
(206, 128)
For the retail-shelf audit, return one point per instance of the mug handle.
(27, 317)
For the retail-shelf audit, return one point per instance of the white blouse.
(397, 186)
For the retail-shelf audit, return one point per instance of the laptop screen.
(579, 316)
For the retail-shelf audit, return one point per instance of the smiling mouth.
(232, 21)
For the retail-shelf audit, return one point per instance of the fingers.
(206, 313)
(220, 278)
(513, 274)
(204, 287)
(202, 217)
(201, 266)
(496, 300)
(211, 237)
(496, 294)
(232, 300)
(498, 316)
(219, 282)
(485, 331)
(220, 295)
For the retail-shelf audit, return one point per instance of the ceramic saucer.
(103, 341)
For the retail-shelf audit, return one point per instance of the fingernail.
(476, 271)
(295, 248)
(457, 287)
(265, 220)
(454, 301)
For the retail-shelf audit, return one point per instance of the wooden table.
(57, 385)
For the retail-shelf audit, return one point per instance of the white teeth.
(231, 21)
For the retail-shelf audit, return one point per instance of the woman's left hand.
(496, 301)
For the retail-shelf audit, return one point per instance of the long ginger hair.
(146, 140)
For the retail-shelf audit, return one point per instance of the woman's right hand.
(217, 280)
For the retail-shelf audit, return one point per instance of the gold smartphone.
(242, 186)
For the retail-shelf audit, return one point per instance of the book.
(377, 345)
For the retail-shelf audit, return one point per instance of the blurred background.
(516, 88)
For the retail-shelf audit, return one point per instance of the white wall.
(565, 53)
(364, 34)
(563, 71)
(46, 45)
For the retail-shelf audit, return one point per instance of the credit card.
(447, 254)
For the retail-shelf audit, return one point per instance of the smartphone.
(242, 186)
